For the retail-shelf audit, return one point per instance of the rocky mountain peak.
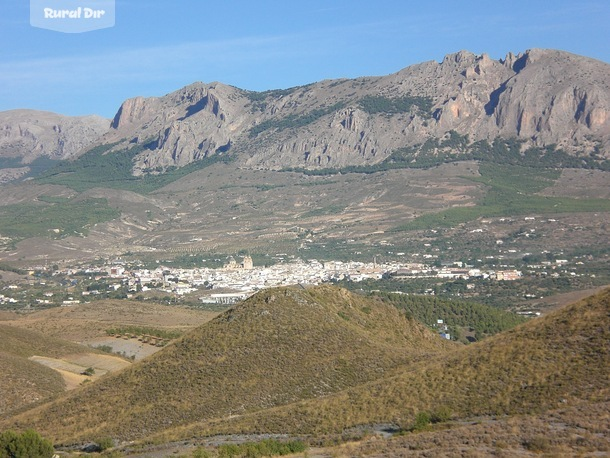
(460, 57)
(131, 112)
(189, 124)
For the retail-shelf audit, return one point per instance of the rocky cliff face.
(552, 97)
(29, 134)
(541, 96)
(187, 125)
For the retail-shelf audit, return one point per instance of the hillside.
(559, 360)
(577, 430)
(86, 322)
(24, 381)
(458, 315)
(280, 346)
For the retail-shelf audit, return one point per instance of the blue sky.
(158, 46)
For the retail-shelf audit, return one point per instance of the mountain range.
(351, 159)
(543, 97)
(446, 163)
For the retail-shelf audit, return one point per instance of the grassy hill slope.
(25, 343)
(22, 381)
(280, 346)
(561, 359)
(25, 382)
(576, 430)
(484, 319)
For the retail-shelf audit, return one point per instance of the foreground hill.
(351, 362)
(280, 346)
(559, 360)
(575, 430)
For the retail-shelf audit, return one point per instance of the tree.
(28, 444)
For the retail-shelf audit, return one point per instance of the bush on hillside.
(422, 420)
(28, 444)
(267, 447)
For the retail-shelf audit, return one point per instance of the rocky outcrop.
(29, 134)
(133, 111)
(184, 126)
(553, 97)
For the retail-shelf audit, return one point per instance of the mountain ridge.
(181, 167)
(29, 134)
(542, 97)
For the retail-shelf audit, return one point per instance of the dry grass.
(25, 381)
(88, 321)
(558, 360)
(26, 343)
(281, 346)
(72, 367)
(580, 430)
(319, 361)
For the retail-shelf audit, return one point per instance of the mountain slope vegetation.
(483, 319)
(561, 359)
(169, 171)
(280, 346)
(25, 382)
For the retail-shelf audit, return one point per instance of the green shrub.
(200, 452)
(228, 451)
(267, 447)
(88, 372)
(28, 444)
(422, 420)
(104, 443)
